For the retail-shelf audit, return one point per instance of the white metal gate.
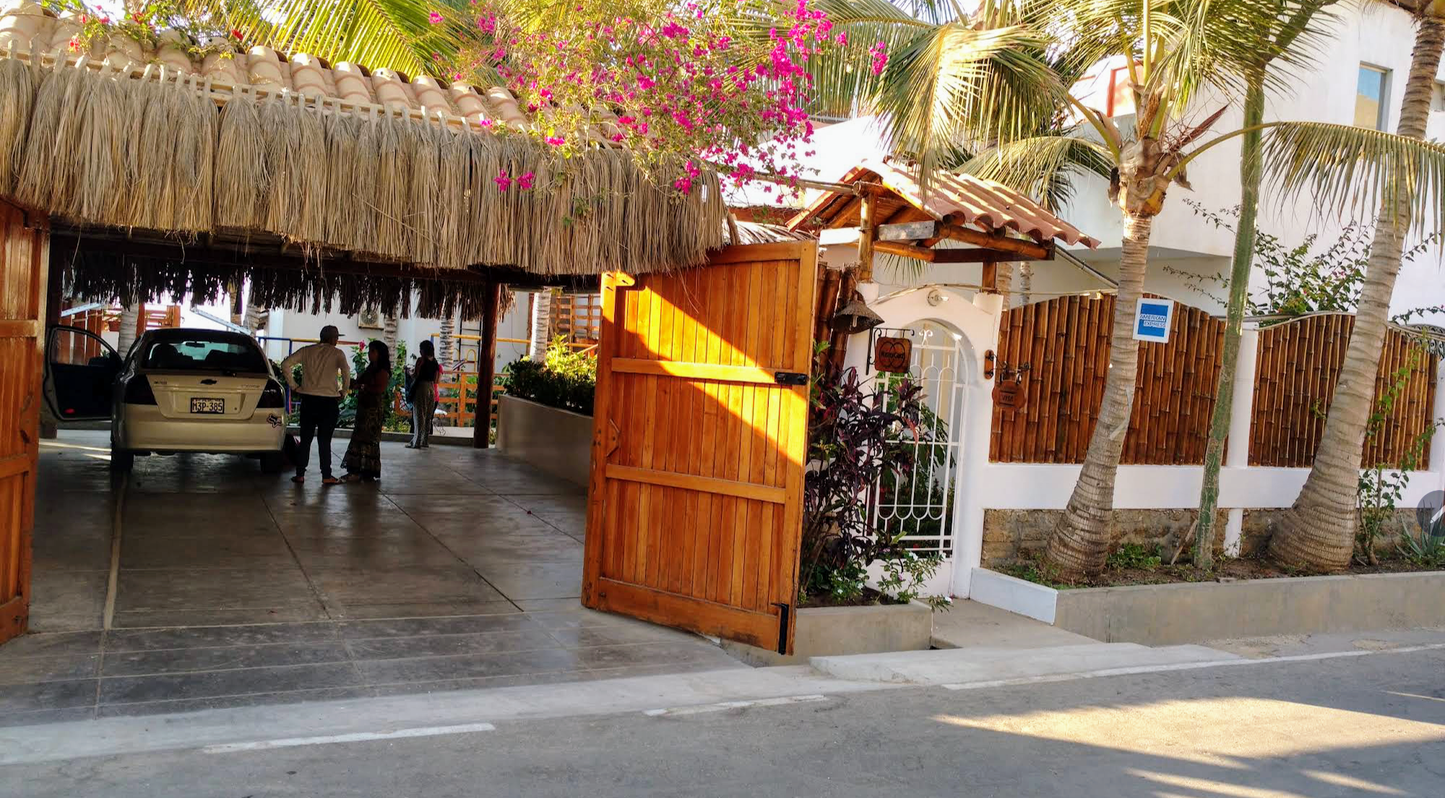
(920, 508)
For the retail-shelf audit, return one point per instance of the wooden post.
(867, 233)
(990, 277)
(486, 365)
(838, 347)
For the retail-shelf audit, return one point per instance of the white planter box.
(1194, 612)
(826, 631)
(558, 442)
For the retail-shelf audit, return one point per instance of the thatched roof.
(331, 160)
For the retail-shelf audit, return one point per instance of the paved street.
(1372, 724)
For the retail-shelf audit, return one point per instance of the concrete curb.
(968, 665)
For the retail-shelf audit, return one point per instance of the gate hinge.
(790, 378)
(785, 617)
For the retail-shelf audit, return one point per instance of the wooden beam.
(952, 255)
(906, 250)
(1020, 249)
(906, 231)
(868, 234)
(486, 366)
(990, 277)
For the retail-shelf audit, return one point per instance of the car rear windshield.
(204, 353)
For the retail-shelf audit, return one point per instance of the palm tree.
(1292, 27)
(999, 74)
(1318, 532)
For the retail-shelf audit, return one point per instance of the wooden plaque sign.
(892, 355)
(1010, 395)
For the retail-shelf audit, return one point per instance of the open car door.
(80, 373)
(694, 508)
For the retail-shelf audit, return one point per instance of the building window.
(1372, 107)
(1437, 97)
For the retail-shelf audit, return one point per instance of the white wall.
(981, 485)
(301, 324)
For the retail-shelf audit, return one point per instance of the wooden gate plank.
(708, 467)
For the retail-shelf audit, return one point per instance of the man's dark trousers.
(318, 419)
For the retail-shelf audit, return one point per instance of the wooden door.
(24, 253)
(694, 514)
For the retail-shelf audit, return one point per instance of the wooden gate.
(24, 254)
(694, 514)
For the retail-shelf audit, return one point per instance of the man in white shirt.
(325, 378)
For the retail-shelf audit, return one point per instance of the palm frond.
(1348, 170)
(961, 87)
(395, 34)
(1045, 168)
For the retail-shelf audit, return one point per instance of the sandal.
(331, 481)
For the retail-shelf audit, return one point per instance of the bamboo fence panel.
(1065, 344)
(1295, 376)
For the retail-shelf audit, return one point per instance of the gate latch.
(790, 378)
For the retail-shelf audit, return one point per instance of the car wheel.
(121, 460)
(273, 462)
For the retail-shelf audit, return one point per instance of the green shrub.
(565, 379)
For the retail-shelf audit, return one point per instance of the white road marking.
(358, 737)
(726, 705)
(1187, 666)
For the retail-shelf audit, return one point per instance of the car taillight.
(272, 396)
(138, 391)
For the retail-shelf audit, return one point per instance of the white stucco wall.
(301, 324)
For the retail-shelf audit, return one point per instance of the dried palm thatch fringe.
(17, 95)
(153, 153)
(96, 272)
(241, 174)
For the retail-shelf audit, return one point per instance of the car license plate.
(209, 406)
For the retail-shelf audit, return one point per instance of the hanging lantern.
(855, 317)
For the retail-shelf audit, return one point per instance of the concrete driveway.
(202, 582)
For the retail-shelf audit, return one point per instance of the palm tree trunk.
(1026, 282)
(388, 334)
(1005, 282)
(1080, 543)
(1318, 533)
(446, 341)
(129, 320)
(1249, 179)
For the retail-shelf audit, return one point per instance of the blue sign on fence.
(1151, 320)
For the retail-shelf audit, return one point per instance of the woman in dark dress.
(363, 454)
(424, 396)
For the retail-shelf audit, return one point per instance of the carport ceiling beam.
(272, 259)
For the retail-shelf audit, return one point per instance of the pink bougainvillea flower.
(434, 18)
(879, 52)
(525, 182)
(503, 180)
(74, 43)
(556, 141)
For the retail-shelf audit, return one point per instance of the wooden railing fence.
(1295, 376)
(458, 400)
(1065, 344)
(578, 317)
